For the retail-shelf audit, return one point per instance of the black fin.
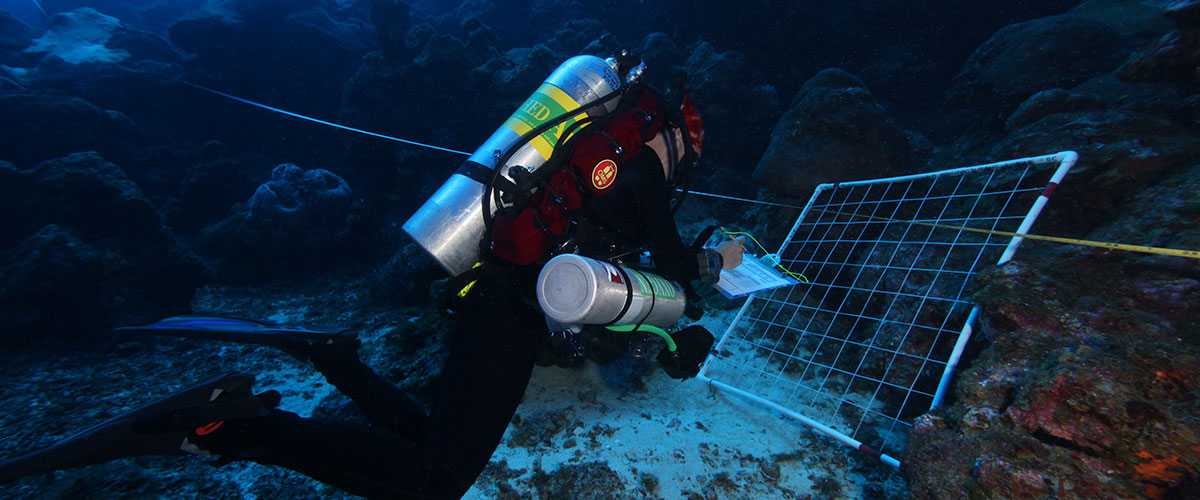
(127, 436)
(289, 338)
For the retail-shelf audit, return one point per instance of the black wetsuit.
(408, 454)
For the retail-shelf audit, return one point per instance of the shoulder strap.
(703, 237)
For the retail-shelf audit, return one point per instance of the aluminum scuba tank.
(450, 225)
(576, 290)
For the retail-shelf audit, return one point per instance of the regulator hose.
(646, 328)
(524, 139)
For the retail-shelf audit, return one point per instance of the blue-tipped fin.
(293, 339)
(159, 428)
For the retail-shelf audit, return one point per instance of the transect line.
(406, 141)
(747, 200)
(323, 122)
(1192, 254)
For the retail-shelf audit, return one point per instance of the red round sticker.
(604, 174)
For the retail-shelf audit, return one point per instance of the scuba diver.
(605, 194)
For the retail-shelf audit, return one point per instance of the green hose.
(646, 328)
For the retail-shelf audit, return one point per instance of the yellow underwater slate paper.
(750, 277)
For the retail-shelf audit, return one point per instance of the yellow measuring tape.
(1192, 254)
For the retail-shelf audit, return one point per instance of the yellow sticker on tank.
(546, 103)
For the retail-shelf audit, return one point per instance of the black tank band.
(475, 171)
(628, 294)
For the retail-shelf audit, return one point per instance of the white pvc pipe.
(822, 428)
(1033, 160)
(1066, 160)
(728, 332)
(952, 363)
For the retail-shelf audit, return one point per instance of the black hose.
(524, 139)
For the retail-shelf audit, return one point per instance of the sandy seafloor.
(690, 439)
(659, 437)
(622, 430)
(616, 431)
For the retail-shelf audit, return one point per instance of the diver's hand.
(692, 346)
(731, 252)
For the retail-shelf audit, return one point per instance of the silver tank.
(450, 224)
(575, 290)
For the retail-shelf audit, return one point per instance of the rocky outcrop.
(84, 251)
(1085, 383)
(1175, 56)
(299, 222)
(834, 131)
(1129, 137)
(1087, 387)
(14, 37)
(1025, 58)
(738, 106)
(43, 125)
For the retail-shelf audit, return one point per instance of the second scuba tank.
(576, 290)
(450, 225)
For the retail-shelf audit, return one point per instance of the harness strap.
(703, 237)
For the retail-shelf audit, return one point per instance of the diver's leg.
(357, 458)
(384, 404)
(332, 350)
(491, 358)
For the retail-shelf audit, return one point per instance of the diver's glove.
(692, 345)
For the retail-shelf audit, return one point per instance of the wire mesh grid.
(862, 349)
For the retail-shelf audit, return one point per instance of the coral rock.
(834, 131)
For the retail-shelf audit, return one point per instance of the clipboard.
(751, 276)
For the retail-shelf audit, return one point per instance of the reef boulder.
(834, 131)
(88, 56)
(83, 252)
(14, 37)
(39, 126)
(1025, 58)
(738, 106)
(392, 20)
(295, 198)
(298, 222)
(98, 57)
(1175, 56)
(80, 36)
(246, 51)
(1128, 136)
(1087, 385)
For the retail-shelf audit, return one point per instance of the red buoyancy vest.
(591, 170)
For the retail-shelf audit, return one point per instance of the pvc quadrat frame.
(873, 341)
